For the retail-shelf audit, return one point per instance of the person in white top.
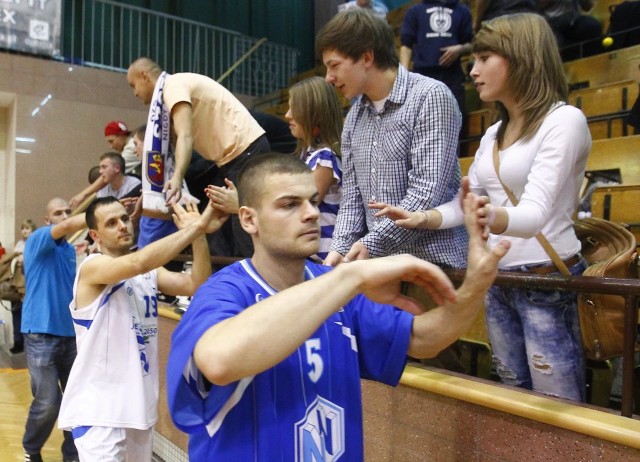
(542, 146)
(111, 182)
(118, 184)
(110, 402)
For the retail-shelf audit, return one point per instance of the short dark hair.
(94, 173)
(140, 131)
(356, 31)
(115, 157)
(250, 183)
(90, 213)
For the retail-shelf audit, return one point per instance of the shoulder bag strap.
(555, 258)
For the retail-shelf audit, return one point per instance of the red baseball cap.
(115, 127)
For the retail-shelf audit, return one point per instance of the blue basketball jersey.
(306, 408)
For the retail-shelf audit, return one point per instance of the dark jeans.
(49, 360)
(232, 240)
(16, 321)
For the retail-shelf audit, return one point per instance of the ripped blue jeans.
(535, 338)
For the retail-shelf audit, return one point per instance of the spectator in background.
(111, 181)
(315, 119)
(624, 24)
(118, 184)
(372, 6)
(93, 174)
(49, 339)
(205, 117)
(489, 9)
(26, 228)
(571, 27)
(119, 138)
(435, 34)
(399, 141)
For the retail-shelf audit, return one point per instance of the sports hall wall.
(67, 132)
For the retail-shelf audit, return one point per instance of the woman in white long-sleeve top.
(542, 146)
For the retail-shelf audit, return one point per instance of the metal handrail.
(240, 60)
(109, 35)
(629, 289)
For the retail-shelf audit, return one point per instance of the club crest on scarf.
(155, 170)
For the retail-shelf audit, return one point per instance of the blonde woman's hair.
(28, 223)
(536, 76)
(316, 108)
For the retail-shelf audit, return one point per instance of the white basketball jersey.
(114, 379)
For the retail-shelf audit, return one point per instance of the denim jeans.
(49, 360)
(535, 337)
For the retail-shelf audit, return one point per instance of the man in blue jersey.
(49, 339)
(266, 363)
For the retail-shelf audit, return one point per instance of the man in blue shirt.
(49, 339)
(266, 363)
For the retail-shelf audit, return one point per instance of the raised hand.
(173, 190)
(224, 199)
(382, 279)
(401, 217)
(482, 262)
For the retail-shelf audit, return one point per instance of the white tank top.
(114, 379)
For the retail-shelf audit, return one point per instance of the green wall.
(288, 22)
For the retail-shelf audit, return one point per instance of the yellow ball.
(607, 42)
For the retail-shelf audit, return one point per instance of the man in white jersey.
(110, 403)
(266, 363)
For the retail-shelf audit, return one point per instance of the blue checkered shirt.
(404, 155)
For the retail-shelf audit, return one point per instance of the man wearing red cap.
(119, 138)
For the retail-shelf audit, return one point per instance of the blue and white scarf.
(158, 158)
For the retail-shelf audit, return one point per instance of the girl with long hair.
(315, 120)
(538, 150)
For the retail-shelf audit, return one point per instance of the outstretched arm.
(68, 226)
(421, 219)
(181, 115)
(174, 283)
(284, 321)
(86, 192)
(438, 328)
(108, 270)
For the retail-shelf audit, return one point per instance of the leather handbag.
(12, 287)
(610, 250)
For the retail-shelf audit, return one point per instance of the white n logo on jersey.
(320, 435)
